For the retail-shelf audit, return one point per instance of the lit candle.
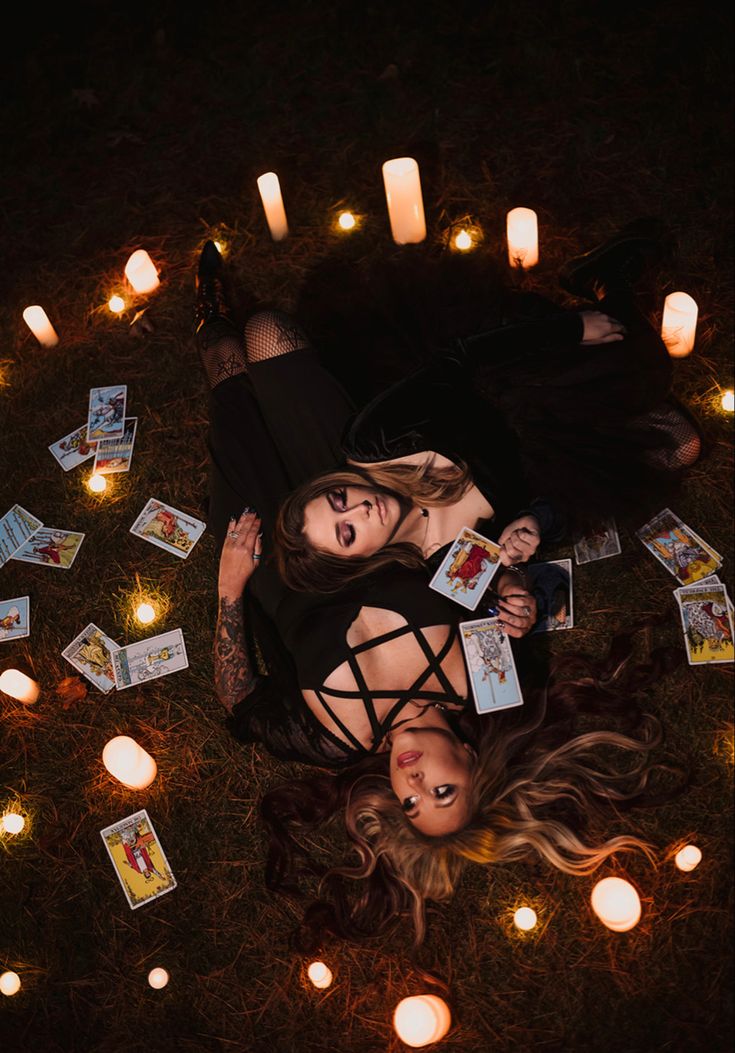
(616, 903)
(688, 857)
(421, 1019)
(275, 213)
(679, 323)
(405, 204)
(12, 823)
(116, 304)
(346, 220)
(37, 321)
(97, 483)
(525, 918)
(129, 763)
(320, 974)
(20, 686)
(141, 272)
(463, 241)
(9, 983)
(728, 401)
(522, 230)
(158, 978)
(145, 613)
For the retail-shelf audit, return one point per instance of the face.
(352, 520)
(431, 774)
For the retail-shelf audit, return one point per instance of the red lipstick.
(407, 758)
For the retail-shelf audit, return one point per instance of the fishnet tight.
(682, 445)
(268, 334)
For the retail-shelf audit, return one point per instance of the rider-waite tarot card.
(139, 861)
(492, 670)
(467, 569)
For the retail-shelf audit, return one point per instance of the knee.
(270, 333)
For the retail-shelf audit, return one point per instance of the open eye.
(409, 803)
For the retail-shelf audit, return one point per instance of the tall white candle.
(37, 321)
(679, 323)
(522, 231)
(405, 203)
(616, 903)
(275, 213)
(141, 272)
(20, 686)
(129, 762)
(421, 1020)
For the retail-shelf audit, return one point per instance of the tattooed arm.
(234, 678)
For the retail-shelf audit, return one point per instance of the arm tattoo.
(233, 676)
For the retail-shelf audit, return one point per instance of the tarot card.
(711, 579)
(707, 624)
(15, 618)
(115, 455)
(551, 585)
(601, 542)
(138, 859)
(51, 548)
(493, 677)
(467, 569)
(16, 527)
(682, 552)
(168, 528)
(91, 654)
(73, 449)
(148, 659)
(106, 418)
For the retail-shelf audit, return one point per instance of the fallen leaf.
(71, 689)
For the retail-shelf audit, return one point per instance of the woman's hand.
(519, 540)
(240, 555)
(600, 328)
(517, 606)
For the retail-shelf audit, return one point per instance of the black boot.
(618, 262)
(212, 300)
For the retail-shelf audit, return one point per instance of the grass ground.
(125, 128)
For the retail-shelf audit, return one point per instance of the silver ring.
(526, 611)
(256, 555)
(233, 533)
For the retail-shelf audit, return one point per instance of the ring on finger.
(233, 533)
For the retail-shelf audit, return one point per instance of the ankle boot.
(211, 303)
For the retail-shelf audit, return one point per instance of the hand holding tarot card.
(139, 861)
(467, 569)
(492, 671)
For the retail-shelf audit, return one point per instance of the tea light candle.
(463, 241)
(275, 213)
(129, 763)
(116, 304)
(97, 483)
(346, 221)
(320, 974)
(616, 903)
(145, 613)
(728, 401)
(421, 1019)
(141, 272)
(525, 918)
(688, 857)
(679, 323)
(158, 978)
(37, 321)
(20, 686)
(405, 203)
(9, 983)
(522, 233)
(12, 823)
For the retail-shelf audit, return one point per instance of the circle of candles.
(421, 1019)
(129, 763)
(320, 974)
(141, 272)
(12, 823)
(616, 903)
(37, 321)
(116, 304)
(145, 613)
(688, 857)
(522, 233)
(679, 323)
(9, 983)
(405, 203)
(346, 220)
(728, 401)
(97, 483)
(20, 686)
(275, 213)
(525, 918)
(158, 978)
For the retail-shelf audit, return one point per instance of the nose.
(415, 776)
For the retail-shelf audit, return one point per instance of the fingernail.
(260, 536)
(232, 519)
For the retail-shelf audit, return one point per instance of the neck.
(415, 527)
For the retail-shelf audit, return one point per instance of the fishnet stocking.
(681, 443)
(221, 350)
(269, 334)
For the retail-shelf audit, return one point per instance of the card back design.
(490, 664)
(168, 528)
(138, 858)
(149, 659)
(15, 618)
(467, 569)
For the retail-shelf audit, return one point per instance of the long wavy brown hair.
(540, 786)
(308, 569)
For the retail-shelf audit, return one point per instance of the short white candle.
(158, 978)
(129, 763)
(679, 323)
(12, 823)
(20, 686)
(688, 857)
(320, 974)
(275, 213)
(405, 203)
(9, 983)
(97, 483)
(421, 1019)
(522, 232)
(616, 903)
(141, 272)
(37, 321)
(145, 613)
(525, 918)
(116, 304)
(463, 241)
(728, 401)
(346, 220)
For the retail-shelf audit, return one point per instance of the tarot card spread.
(91, 654)
(115, 455)
(73, 449)
(707, 623)
(15, 618)
(551, 585)
(682, 552)
(16, 527)
(51, 548)
(600, 543)
(168, 528)
(138, 859)
(467, 569)
(106, 416)
(492, 671)
(148, 659)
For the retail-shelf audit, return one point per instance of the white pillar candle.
(728, 401)
(9, 983)
(141, 272)
(616, 903)
(129, 763)
(522, 232)
(421, 1019)
(405, 204)
(275, 213)
(320, 974)
(20, 686)
(679, 323)
(158, 978)
(37, 321)
(688, 857)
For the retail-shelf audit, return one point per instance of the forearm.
(233, 674)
